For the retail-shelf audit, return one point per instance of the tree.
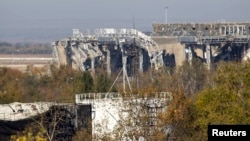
(84, 134)
(228, 100)
(31, 88)
(10, 85)
(102, 84)
(225, 100)
(88, 84)
(53, 125)
(193, 76)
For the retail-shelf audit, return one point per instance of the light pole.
(166, 13)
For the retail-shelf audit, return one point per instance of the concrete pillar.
(204, 52)
(220, 30)
(242, 32)
(244, 51)
(108, 62)
(225, 30)
(189, 54)
(208, 55)
(141, 61)
(93, 64)
(233, 29)
(238, 30)
(228, 52)
(124, 70)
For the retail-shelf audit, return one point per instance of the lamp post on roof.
(166, 14)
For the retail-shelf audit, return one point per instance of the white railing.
(79, 98)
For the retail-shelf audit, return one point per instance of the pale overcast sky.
(27, 20)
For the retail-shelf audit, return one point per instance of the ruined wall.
(171, 46)
(111, 111)
(70, 119)
(197, 29)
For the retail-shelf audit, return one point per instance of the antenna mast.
(166, 13)
(133, 21)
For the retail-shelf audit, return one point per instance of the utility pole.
(166, 13)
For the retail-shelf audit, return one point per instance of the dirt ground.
(7, 60)
(26, 55)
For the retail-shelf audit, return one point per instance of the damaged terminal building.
(110, 49)
(209, 42)
(168, 46)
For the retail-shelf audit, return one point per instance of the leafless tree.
(55, 124)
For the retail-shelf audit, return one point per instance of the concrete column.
(188, 54)
(238, 30)
(242, 30)
(220, 30)
(208, 55)
(93, 64)
(225, 30)
(141, 61)
(233, 29)
(108, 62)
(229, 29)
(244, 51)
(124, 70)
(204, 52)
